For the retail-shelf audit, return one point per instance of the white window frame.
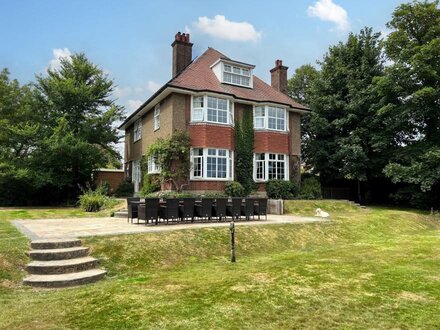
(239, 73)
(156, 118)
(136, 174)
(137, 130)
(266, 116)
(152, 167)
(229, 156)
(199, 113)
(266, 165)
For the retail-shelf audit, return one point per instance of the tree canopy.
(55, 132)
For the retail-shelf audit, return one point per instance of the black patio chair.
(247, 209)
(234, 208)
(170, 211)
(261, 208)
(149, 211)
(219, 209)
(186, 209)
(132, 207)
(204, 209)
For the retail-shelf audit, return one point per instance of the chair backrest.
(151, 208)
(172, 208)
(236, 206)
(132, 199)
(207, 207)
(188, 207)
(249, 206)
(221, 206)
(262, 206)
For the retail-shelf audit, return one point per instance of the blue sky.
(131, 39)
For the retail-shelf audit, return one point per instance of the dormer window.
(236, 75)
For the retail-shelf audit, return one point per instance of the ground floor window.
(136, 174)
(152, 166)
(270, 166)
(211, 164)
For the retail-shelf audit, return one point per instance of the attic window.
(236, 75)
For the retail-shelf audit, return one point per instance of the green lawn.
(368, 269)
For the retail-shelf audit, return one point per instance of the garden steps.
(121, 214)
(64, 280)
(61, 263)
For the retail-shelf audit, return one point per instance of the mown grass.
(367, 269)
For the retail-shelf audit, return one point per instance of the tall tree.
(79, 115)
(342, 126)
(410, 93)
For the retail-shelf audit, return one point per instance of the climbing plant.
(244, 148)
(172, 154)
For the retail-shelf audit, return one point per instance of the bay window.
(211, 164)
(271, 166)
(211, 109)
(270, 117)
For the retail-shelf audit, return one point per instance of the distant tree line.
(55, 132)
(376, 109)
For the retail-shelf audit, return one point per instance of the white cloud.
(153, 86)
(326, 10)
(222, 28)
(134, 104)
(58, 54)
(120, 92)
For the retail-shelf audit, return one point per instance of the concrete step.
(64, 280)
(59, 254)
(43, 244)
(37, 267)
(121, 214)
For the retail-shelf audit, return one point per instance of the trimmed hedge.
(281, 189)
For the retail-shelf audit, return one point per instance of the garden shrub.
(151, 184)
(281, 189)
(234, 189)
(310, 188)
(170, 194)
(125, 189)
(103, 188)
(92, 201)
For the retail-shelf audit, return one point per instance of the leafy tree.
(343, 125)
(244, 149)
(78, 115)
(300, 85)
(410, 92)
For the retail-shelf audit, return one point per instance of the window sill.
(212, 123)
(209, 179)
(270, 130)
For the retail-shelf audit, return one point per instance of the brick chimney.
(279, 77)
(182, 52)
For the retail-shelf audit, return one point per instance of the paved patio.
(81, 227)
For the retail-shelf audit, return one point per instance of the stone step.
(64, 280)
(121, 214)
(61, 266)
(43, 244)
(59, 254)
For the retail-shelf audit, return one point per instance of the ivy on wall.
(244, 150)
(172, 154)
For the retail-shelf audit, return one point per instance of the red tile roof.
(198, 76)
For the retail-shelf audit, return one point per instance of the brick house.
(204, 97)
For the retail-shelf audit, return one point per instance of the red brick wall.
(113, 178)
(271, 142)
(207, 185)
(208, 135)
